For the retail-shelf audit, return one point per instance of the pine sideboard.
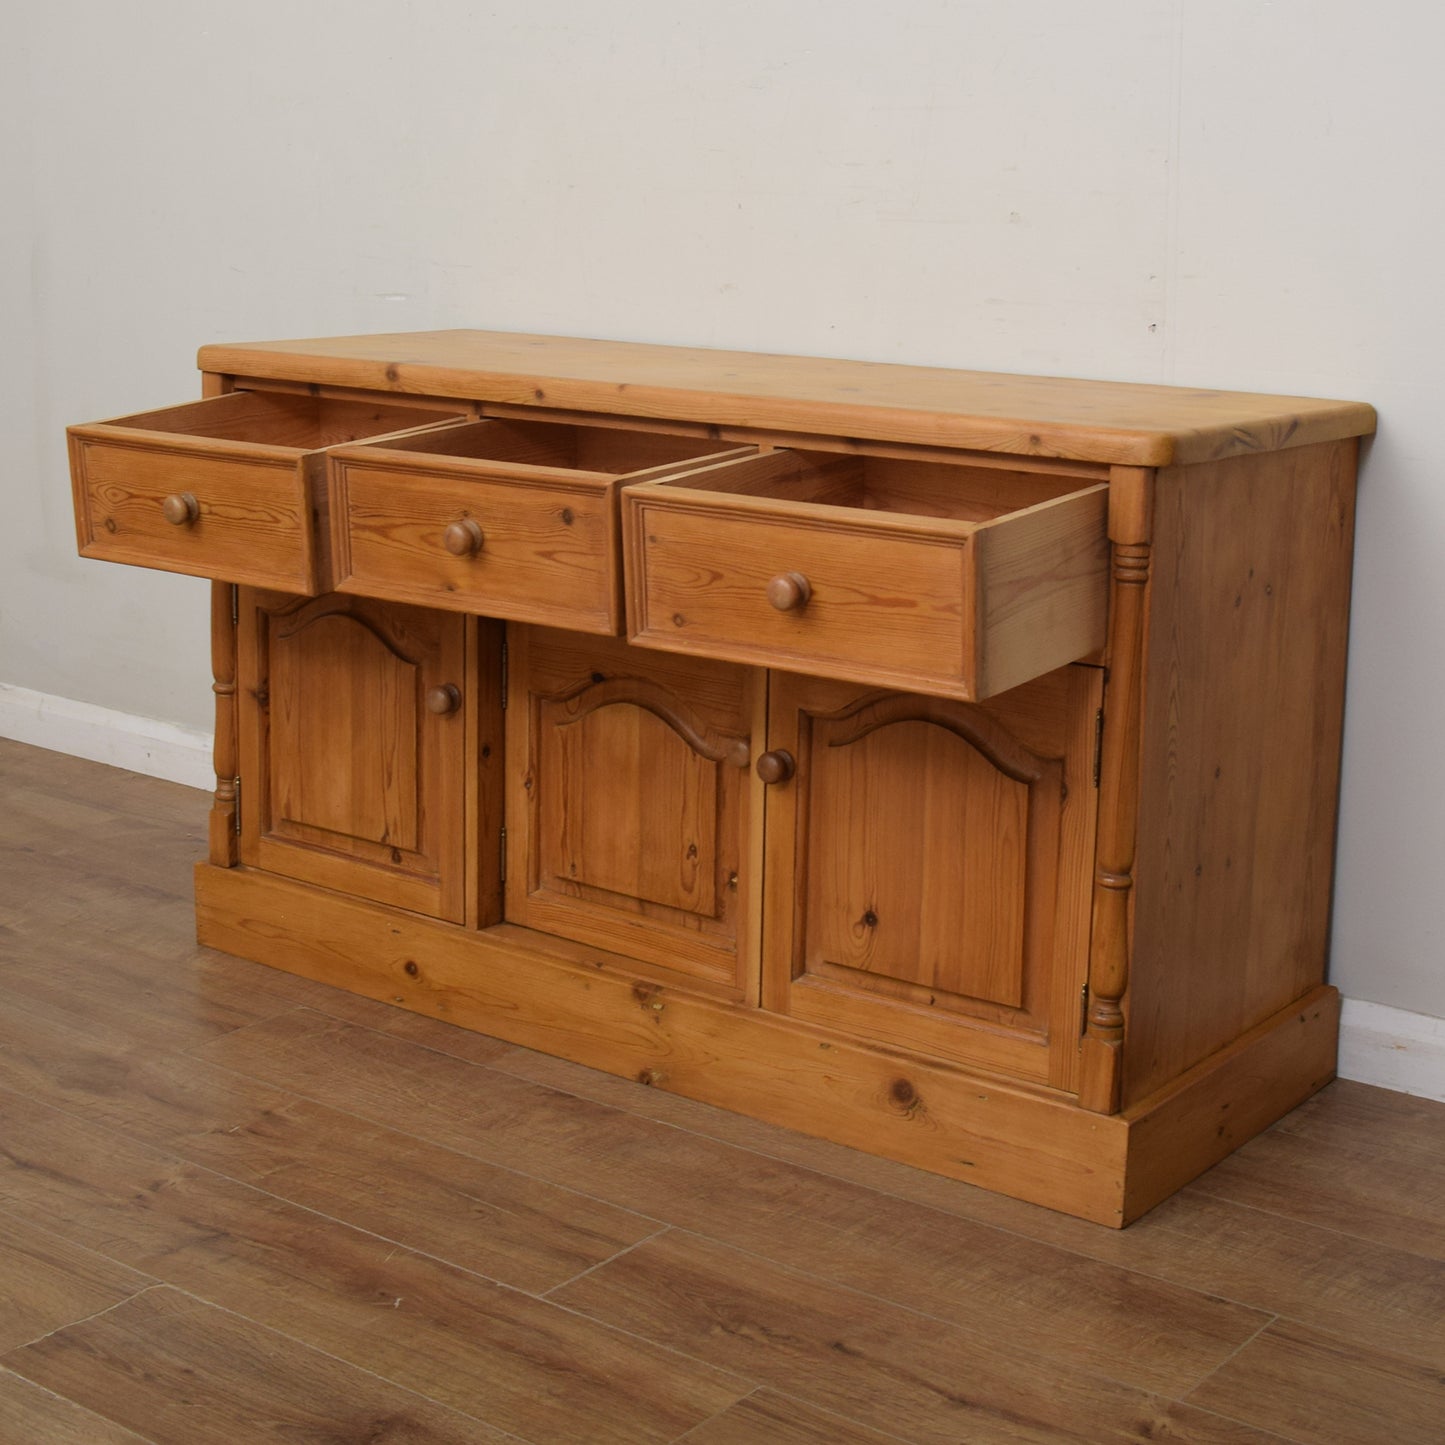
(940, 763)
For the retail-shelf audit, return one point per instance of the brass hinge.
(237, 783)
(502, 869)
(1098, 745)
(504, 674)
(1083, 1010)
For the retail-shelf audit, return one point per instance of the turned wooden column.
(1131, 504)
(223, 820)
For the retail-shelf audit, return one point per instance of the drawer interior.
(602, 450)
(303, 423)
(954, 491)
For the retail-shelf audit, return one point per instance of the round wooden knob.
(776, 766)
(463, 539)
(444, 699)
(789, 591)
(181, 509)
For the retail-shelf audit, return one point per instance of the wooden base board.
(1032, 1144)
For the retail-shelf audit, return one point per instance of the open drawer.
(941, 577)
(514, 519)
(229, 487)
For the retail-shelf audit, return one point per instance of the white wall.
(1207, 192)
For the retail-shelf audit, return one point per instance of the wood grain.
(1387, 1195)
(496, 1222)
(188, 1373)
(631, 807)
(549, 550)
(29, 1414)
(927, 868)
(1323, 1391)
(224, 834)
(1239, 781)
(512, 1360)
(1040, 416)
(348, 781)
(1219, 1104)
(541, 497)
(805, 1240)
(884, 608)
(1028, 1142)
(1352, 1114)
(1374, 1296)
(49, 1282)
(909, 584)
(767, 1415)
(1029, 1295)
(1378, 1295)
(886, 1367)
(1131, 505)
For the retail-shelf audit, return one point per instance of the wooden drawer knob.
(776, 766)
(789, 591)
(181, 509)
(444, 699)
(463, 539)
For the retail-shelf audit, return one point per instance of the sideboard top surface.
(1121, 423)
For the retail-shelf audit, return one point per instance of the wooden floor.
(238, 1206)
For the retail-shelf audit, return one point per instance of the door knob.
(776, 766)
(789, 591)
(181, 508)
(463, 539)
(444, 699)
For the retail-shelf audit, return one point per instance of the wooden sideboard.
(941, 763)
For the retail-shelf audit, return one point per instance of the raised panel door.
(352, 718)
(632, 812)
(928, 868)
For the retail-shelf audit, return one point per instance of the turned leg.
(1130, 505)
(224, 821)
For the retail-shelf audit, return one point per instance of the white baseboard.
(1378, 1045)
(138, 744)
(1393, 1048)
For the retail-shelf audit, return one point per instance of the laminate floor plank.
(95, 963)
(84, 906)
(47, 1282)
(519, 1231)
(65, 985)
(1349, 1113)
(146, 853)
(885, 1176)
(430, 1033)
(1321, 1390)
(186, 1373)
(884, 1366)
(32, 1416)
(1379, 1294)
(1367, 1190)
(65, 778)
(519, 1363)
(1094, 1315)
(767, 1416)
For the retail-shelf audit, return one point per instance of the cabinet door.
(631, 808)
(928, 868)
(349, 778)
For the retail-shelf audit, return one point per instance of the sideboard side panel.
(1239, 786)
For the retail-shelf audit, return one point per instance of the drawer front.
(915, 576)
(210, 509)
(880, 607)
(540, 549)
